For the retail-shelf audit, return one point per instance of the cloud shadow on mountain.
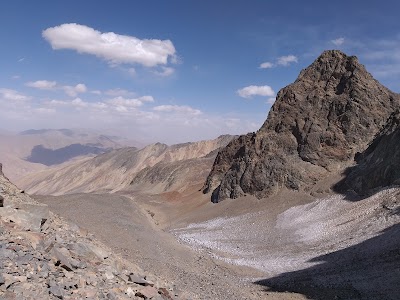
(49, 157)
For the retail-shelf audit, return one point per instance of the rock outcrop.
(378, 165)
(44, 257)
(316, 126)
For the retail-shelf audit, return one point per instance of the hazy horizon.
(177, 71)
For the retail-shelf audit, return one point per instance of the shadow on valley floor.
(368, 270)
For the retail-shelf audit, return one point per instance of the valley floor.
(129, 230)
(328, 248)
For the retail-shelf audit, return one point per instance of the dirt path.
(120, 223)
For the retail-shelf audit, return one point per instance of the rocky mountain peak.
(316, 125)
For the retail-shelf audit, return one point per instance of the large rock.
(316, 126)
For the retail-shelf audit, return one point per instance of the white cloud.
(254, 90)
(78, 102)
(286, 60)
(96, 92)
(112, 47)
(146, 99)
(21, 59)
(165, 123)
(57, 102)
(271, 100)
(12, 95)
(266, 65)
(177, 109)
(338, 41)
(280, 61)
(72, 91)
(16, 77)
(121, 101)
(165, 71)
(42, 84)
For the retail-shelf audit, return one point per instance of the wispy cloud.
(42, 84)
(266, 65)
(72, 91)
(338, 42)
(287, 60)
(254, 90)
(280, 61)
(119, 92)
(178, 109)
(165, 71)
(110, 46)
(166, 122)
(12, 95)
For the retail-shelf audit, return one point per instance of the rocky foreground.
(44, 257)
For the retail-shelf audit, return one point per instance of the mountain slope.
(114, 170)
(316, 126)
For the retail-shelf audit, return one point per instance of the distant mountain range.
(130, 168)
(33, 150)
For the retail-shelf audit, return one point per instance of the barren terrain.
(248, 248)
(129, 230)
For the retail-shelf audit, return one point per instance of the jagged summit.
(317, 124)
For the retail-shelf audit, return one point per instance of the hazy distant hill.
(117, 169)
(33, 150)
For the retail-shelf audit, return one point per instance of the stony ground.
(45, 257)
(131, 231)
(328, 248)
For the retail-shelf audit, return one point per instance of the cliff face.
(316, 126)
(378, 165)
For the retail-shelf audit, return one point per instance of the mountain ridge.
(315, 127)
(116, 169)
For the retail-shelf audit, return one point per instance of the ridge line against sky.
(175, 71)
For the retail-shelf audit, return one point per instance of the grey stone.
(138, 280)
(56, 291)
(147, 292)
(60, 257)
(24, 219)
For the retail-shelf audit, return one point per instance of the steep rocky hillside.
(114, 170)
(316, 126)
(378, 165)
(45, 257)
(177, 176)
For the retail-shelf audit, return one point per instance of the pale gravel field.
(292, 240)
(298, 234)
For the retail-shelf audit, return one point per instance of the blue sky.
(176, 71)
